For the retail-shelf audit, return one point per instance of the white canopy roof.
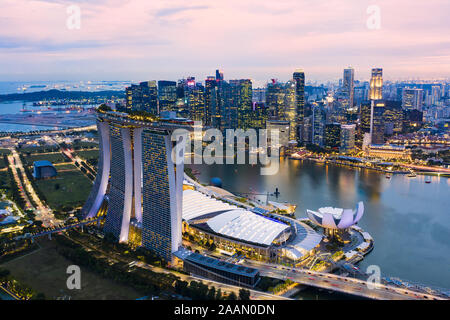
(247, 226)
(196, 204)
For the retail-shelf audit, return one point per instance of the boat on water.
(428, 180)
(388, 176)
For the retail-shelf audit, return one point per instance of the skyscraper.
(347, 138)
(194, 97)
(376, 84)
(290, 109)
(318, 124)
(412, 99)
(299, 79)
(377, 134)
(332, 136)
(275, 100)
(245, 103)
(138, 180)
(375, 95)
(212, 110)
(142, 97)
(348, 84)
(219, 75)
(167, 95)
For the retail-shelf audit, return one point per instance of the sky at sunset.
(257, 39)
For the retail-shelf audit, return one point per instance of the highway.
(339, 283)
(43, 212)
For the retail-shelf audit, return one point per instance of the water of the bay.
(408, 218)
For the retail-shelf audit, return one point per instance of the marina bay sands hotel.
(138, 180)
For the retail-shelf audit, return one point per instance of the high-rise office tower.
(347, 138)
(348, 84)
(394, 115)
(212, 110)
(241, 96)
(318, 124)
(138, 180)
(142, 97)
(308, 129)
(365, 117)
(290, 109)
(275, 100)
(258, 118)
(245, 103)
(259, 95)
(376, 84)
(412, 99)
(435, 94)
(219, 75)
(167, 95)
(149, 96)
(194, 97)
(375, 95)
(332, 135)
(299, 79)
(377, 133)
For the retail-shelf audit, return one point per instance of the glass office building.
(140, 180)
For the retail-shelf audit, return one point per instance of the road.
(23, 194)
(338, 283)
(43, 212)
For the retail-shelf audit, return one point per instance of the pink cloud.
(259, 39)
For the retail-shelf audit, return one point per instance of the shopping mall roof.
(247, 226)
(197, 204)
(231, 221)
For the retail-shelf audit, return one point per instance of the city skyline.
(257, 40)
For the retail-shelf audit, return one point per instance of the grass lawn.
(52, 157)
(4, 151)
(66, 166)
(38, 149)
(88, 154)
(74, 188)
(84, 144)
(3, 164)
(4, 179)
(45, 271)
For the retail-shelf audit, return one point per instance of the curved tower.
(140, 178)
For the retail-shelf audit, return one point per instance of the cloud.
(171, 11)
(260, 39)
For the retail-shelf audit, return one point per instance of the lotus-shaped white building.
(336, 218)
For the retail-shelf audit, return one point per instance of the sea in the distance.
(408, 218)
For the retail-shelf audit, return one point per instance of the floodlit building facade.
(139, 180)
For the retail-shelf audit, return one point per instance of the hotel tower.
(139, 182)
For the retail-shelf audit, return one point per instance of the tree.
(4, 273)
(39, 296)
(211, 293)
(232, 296)
(181, 286)
(244, 294)
(219, 294)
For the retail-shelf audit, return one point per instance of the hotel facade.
(138, 180)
